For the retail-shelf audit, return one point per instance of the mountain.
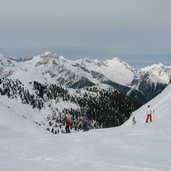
(148, 86)
(50, 68)
(52, 86)
(6, 66)
(142, 146)
(47, 105)
(161, 71)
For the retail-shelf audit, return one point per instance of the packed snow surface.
(132, 147)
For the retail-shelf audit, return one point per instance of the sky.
(138, 32)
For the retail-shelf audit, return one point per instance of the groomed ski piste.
(25, 146)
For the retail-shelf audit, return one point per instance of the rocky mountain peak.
(161, 71)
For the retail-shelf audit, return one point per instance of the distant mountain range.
(140, 85)
(48, 88)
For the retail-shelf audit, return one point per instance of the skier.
(149, 114)
(67, 125)
(85, 122)
(133, 120)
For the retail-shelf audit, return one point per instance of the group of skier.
(83, 125)
(73, 121)
(84, 120)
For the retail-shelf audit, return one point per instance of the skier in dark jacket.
(84, 121)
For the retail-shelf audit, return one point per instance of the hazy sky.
(137, 31)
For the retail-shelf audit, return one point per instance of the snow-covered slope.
(25, 113)
(13, 121)
(131, 147)
(160, 106)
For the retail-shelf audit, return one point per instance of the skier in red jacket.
(67, 125)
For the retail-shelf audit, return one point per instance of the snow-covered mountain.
(49, 105)
(50, 68)
(148, 86)
(142, 146)
(161, 71)
(7, 66)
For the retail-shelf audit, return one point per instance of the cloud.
(85, 27)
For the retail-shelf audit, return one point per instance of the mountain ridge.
(48, 67)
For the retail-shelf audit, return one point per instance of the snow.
(48, 67)
(161, 107)
(51, 68)
(161, 71)
(141, 147)
(120, 70)
(114, 69)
